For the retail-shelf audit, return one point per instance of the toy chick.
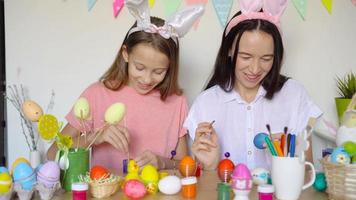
(132, 171)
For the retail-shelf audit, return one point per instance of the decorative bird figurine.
(132, 171)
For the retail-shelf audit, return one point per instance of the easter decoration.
(241, 182)
(260, 176)
(101, 182)
(132, 171)
(225, 169)
(346, 87)
(320, 182)
(48, 177)
(24, 180)
(150, 177)
(187, 166)
(259, 140)
(171, 184)
(6, 186)
(347, 130)
(134, 189)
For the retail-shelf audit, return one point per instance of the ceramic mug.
(288, 177)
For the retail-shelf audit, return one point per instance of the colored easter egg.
(260, 176)
(241, 178)
(225, 169)
(320, 182)
(17, 161)
(5, 182)
(32, 110)
(48, 174)
(350, 147)
(259, 140)
(187, 166)
(134, 189)
(340, 156)
(48, 127)
(98, 172)
(149, 174)
(81, 108)
(25, 175)
(169, 185)
(152, 187)
(115, 113)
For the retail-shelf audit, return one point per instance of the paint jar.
(265, 192)
(224, 190)
(189, 187)
(79, 191)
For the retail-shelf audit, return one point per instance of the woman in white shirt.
(246, 92)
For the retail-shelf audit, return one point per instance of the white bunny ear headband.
(250, 9)
(177, 26)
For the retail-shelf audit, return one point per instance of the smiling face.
(254, 60)
(147, 67)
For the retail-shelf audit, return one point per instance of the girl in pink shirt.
(144, 77)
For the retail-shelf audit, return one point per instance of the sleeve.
(183, 115)
(307, 109)
(190, 122)
(83, 126)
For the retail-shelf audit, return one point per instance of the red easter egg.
(97, 172)
(225, 169)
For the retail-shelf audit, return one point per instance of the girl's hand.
(147, 157)
(117, 136)
(206, 146)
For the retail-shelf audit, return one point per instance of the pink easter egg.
(241, 178)
(49, 174)
(134, 189)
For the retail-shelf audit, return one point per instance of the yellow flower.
(64, 141)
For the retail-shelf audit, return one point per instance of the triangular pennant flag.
(301, 6)
(117, 5)
(222, 9)
(354, 2)
(91, 4)
(194, 2)
(328, 4)
(151, 3)
(170, 6)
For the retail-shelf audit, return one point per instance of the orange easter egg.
(225, 169)
(98, 172)
(32, 110)
(187, 166)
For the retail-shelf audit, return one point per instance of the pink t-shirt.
(153, 124)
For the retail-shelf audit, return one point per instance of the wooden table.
(207, 185)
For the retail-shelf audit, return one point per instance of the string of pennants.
(222, 7)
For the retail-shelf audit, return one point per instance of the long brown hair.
(224, 69)
(117, 75)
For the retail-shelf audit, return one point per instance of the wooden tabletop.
(207, 185)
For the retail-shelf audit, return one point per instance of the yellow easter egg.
(17, 161)
(32, 110)
(149, 174)
(5, 182)
(115, 113)
(81, 108)
(48, 127)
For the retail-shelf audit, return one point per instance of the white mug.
(288, 177)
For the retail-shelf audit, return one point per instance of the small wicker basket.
(341, 180)
(103, 190)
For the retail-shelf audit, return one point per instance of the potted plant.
(346, 88)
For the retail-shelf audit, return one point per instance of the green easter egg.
(320, 182)
(81, 108)
(115, 113)
(350, 148)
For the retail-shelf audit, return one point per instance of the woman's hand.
(116, 135)
(147, 157)
(206, 146)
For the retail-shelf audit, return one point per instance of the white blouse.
(237, 122)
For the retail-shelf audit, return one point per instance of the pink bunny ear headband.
(272, 11)
(177, 26)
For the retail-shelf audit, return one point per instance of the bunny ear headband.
(177, 26)
(250, 9)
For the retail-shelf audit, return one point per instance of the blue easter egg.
(339, 155)
(25, 175)
(259, 140)
(3, 169)
(320, 182)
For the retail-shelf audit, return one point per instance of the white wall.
(59, 45)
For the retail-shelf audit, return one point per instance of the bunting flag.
(194, 2)
(328, 4)
(222, 9)
(151, 3)
(353, 2)
(91, 4)
(171, 6)
(301, 6)
(117, 5)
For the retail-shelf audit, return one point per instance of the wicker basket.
(341, 180)
(103, 190)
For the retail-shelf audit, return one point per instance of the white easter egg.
(260, 176)
(345, 134)
(81, 108)
(115, 113)
(169, 185)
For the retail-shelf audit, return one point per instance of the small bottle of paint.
(265, 192)
(79, 191)
(224, 190)
(189, 187)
